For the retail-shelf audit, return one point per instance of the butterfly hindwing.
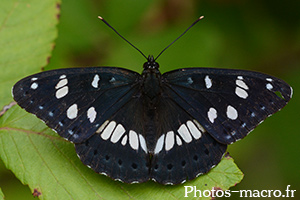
(227, 103)
(75, 102)
(118, 149)
(184, 149)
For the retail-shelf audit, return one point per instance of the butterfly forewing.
(75, 102)
(227, 103)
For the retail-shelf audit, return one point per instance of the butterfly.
(169, 127)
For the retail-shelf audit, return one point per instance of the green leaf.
(48, 163)
(1, 194)
(27, 32)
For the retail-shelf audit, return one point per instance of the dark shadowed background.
(260, 35)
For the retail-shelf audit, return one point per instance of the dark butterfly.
(169, 127)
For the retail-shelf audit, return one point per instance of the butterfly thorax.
(151, 84)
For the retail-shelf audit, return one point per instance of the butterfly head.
(151, 63)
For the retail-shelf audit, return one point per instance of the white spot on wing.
(241, 92)
(112, 80)
(72, 111)
(170, 140)
(103, 173)
(184, 133)
(34, 86)
(62, 76)
(51, 114)
(199, 126)
(134, 182)
(208, 82)
(212, 115)
(244, 125)
(178, 140)
(117, 134)
(193, 129)
(241, 84)
(61, 83)
(269, 86)
(62, 92)
(108, 130)
(100, 129)
(124, 140)
(190, 80)
(95, 82)
(75, 136)
(34, 79)
(133, 140)
(240, 77)
(143, 143)
(159, 144)
(70, 132)
(91, 114)
(269, 79)
(231, 112)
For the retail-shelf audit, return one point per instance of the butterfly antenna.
(121, 36)
(180, 36)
